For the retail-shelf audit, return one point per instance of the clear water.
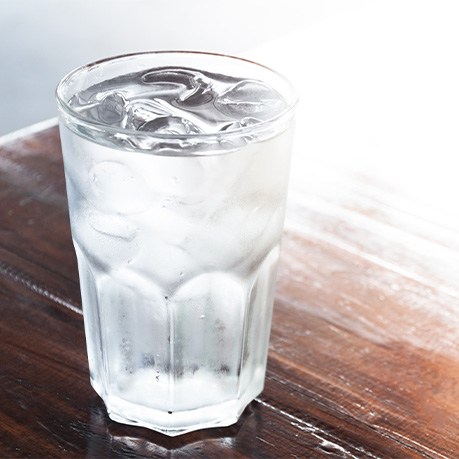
(178, 101)
(177, 254)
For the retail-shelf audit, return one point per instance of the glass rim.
(75, 116)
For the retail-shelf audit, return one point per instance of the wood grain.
(363, 356)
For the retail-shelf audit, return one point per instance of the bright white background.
(379, 79)
(380, 95)
(41, 40)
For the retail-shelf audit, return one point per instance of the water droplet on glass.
(148, 360)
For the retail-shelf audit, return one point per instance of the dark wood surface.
(363, 360)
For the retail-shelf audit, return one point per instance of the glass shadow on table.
(106, 438)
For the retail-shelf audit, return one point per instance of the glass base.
(178, 422)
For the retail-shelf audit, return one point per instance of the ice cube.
(158, 116)
(141, 111)
(175, 125)
(140, 286)
(170, 77)
(184, 87)
(239, 124)
(116, 188)
(250, 98)
(112, 109)
(200, 93)
(165, 264)
(109, 107)
(112, 225)
(105, 246)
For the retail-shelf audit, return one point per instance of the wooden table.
(363, 361)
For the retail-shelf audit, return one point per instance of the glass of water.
(176, 166)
